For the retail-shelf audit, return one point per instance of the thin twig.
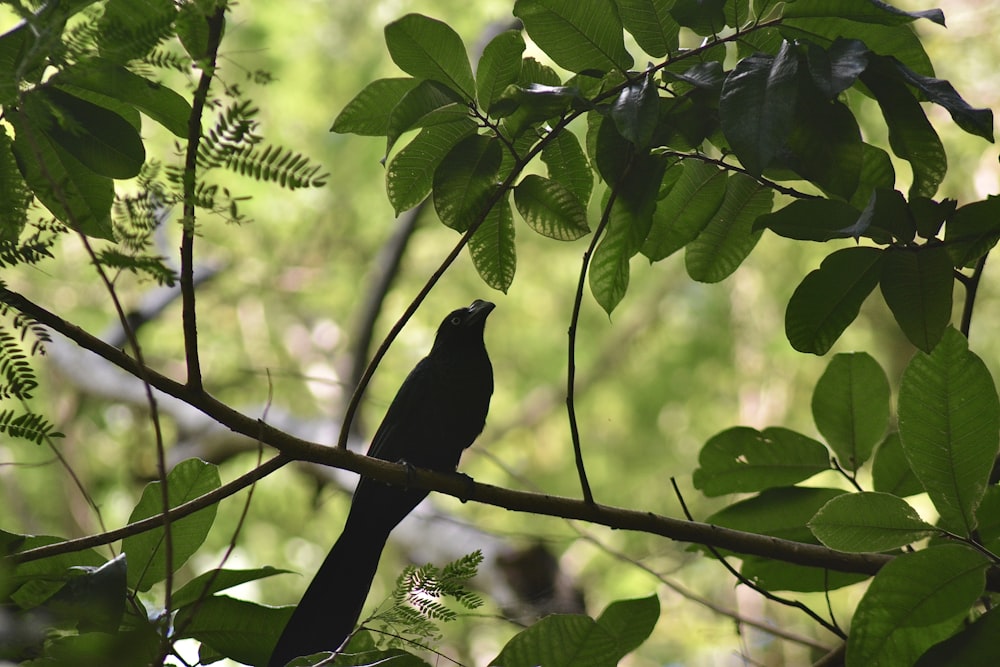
(188, 310)
(971, 288)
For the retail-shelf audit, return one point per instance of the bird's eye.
(455, 321)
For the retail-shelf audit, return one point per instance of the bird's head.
(464, 326)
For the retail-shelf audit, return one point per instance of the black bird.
(438, 411)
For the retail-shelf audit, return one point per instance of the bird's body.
(438, 411)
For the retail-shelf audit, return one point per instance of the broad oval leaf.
(975, 644)
(690, 205)
(811, 220)
(891, 472)
(972, 231)
(492, 247)
(499, 67)
(729, 236)
(368, 112)
(636, 111)
(560, 639)
(146, 552)
(917, 285)
(915, 601)
(869, 521)
(650, 22)
(243, 631)
(465, 180)
(578, 36)
(430, 49)
(630, 622)
(609, 270)
(851, 406)
(830, 297)
(974, 121)
(429, 103)
(743, 459)
(550, 208)
(410, 174)
(949, 419)
(567, 164)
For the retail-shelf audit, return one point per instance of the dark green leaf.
(972, 231)
(577, 36)
(862, 522)
(917, 285)
(636, 111)
(146, 552)
(729, 236)
(689, 206)
(71, 191)
(851, 406)
(949, 418)
(810, 220)
(94, 597)
(429, 103)
(834, 70)
(609, 268)
(213, 581)
(630, 622)
(492, 247)
(916, 600)
(611, 152)
(243, 631)
(410, 174)
(430, 49)
(929, 215)
(499, 67)
(568, 165)
(757, 106)
(975, 644)
(876, 172)
(887, 214)
(743, 459)
(865, 11)
(705, 17)
(560, 639)
(130, 29)
(891, 472)
(109, 81)
(524, 106)
(899, 41)
(910, 133)
(650, 22)
(974, 121)
(465, 180)
(829, 298)
(550, 209)
(368, 113)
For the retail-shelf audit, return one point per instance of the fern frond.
(126, 34)
(234, 131)
(28, 425)
(17, 377)
(278, 165)
(153, 267)
(14, 193)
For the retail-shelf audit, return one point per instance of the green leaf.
(430, 49)
(568, 165)
(427, 104)
(974, 121)
(637, 110)
(862, 522)
(743, 459)
(886, 213)
(609, 268)
(729, 236)
(898, 41)
(891, 472)
(705, 17)
(757, 106)
(550, 208)
(410, 174)
(835, 69)
(830, 297)
(876, 172)
(146, 551)
(689, 206)
(910, 133)
(610, 151)
(94, 597)
(242, 631)
(211, 582)
(100, 139)
(810, 220)
(972, 231)
(71, 191)
(492, 247)
(525, 106)
(916, 600)
(917, 285)
(499, 67)
(465, 180)
(560, 639)
(650, 22)
(130, 29)
(630, 622)
(577, 36)
(851, 406)
(783, 512)
(112, 82)
(929, 215)
(866, 11)
(368, 113)
(949, 418)
(975, 644)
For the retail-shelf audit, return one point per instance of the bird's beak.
(479, 310)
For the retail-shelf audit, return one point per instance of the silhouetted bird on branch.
(437, 412)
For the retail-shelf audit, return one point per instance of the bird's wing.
(408, 407)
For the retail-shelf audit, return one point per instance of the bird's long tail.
(332, 604)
